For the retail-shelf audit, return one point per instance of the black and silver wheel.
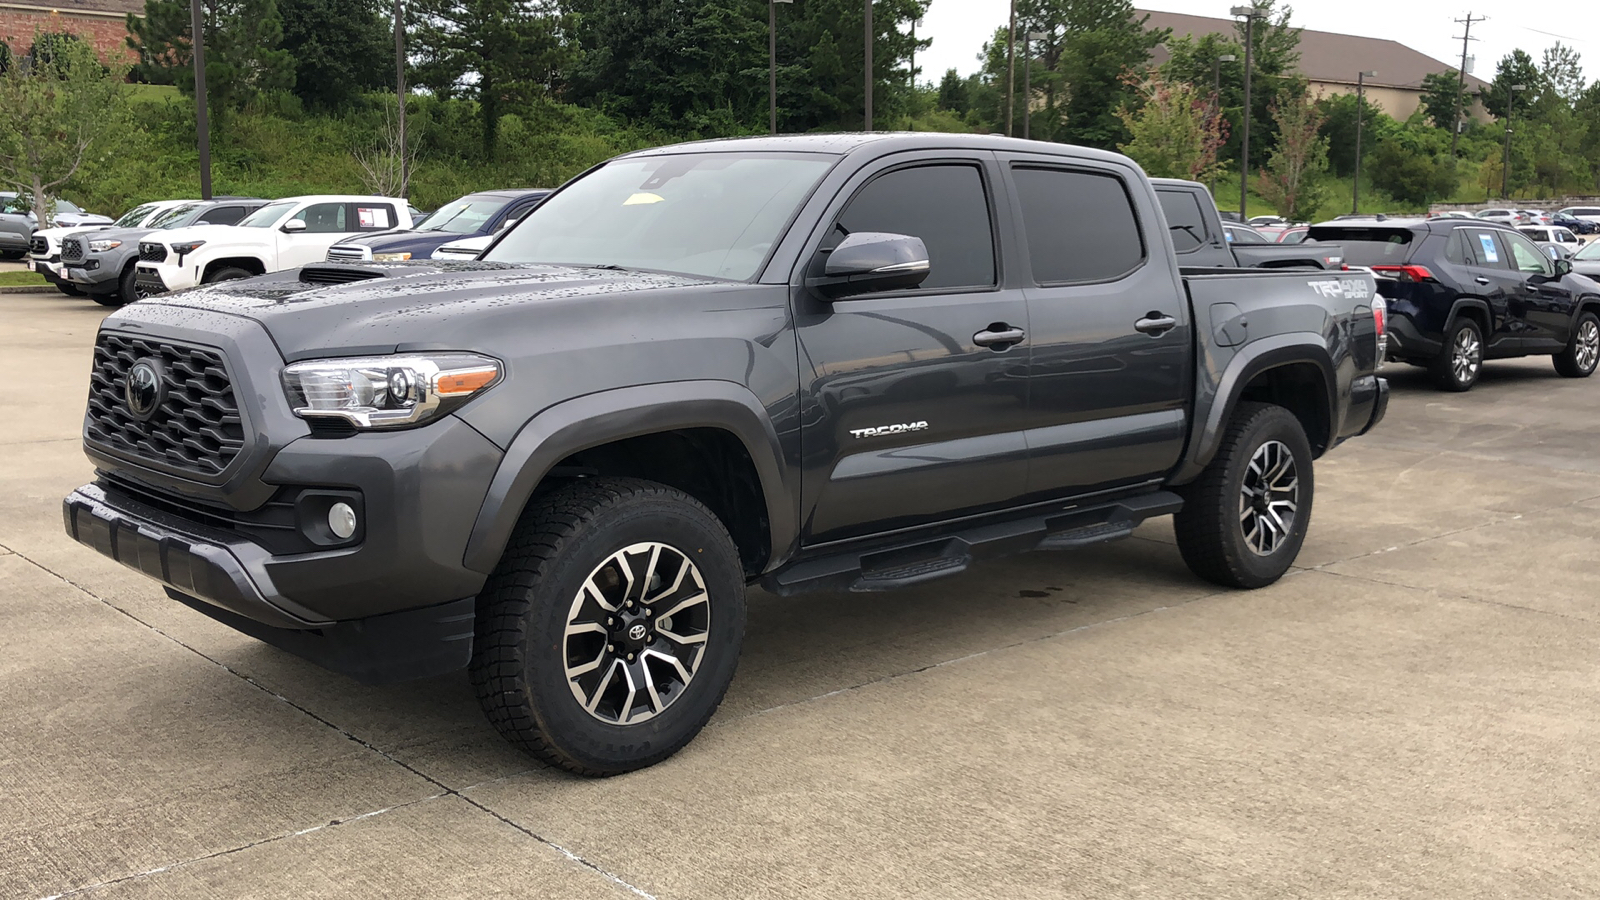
(1244, 519)
(1460, 362)
(1582, 353)
(610, 631)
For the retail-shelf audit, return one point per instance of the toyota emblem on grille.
(144, 388)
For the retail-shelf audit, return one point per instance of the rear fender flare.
(1251, 360)
(596, 419)
(1465, 303)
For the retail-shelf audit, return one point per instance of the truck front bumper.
(90, 275)
(227, 579)
(151, 278)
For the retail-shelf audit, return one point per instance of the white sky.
(959, 27)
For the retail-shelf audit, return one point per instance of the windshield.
(465, 216)
(710, 214)
(1590, 250)
(134, 216)
(267, 216)
(176, 216)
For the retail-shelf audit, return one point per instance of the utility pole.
(1250, 15)
(202, 123)
(869, 64)
(1361, 114)
(400, 93)
(1461, 87)
(1027, 82)
(1011, 68)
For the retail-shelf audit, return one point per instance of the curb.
(27, 289)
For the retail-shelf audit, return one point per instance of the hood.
(346, 308)
(473, 245)
(1589, 267)
(60, 231)
(125, 235)
(418, 243)
(79, 220)
(208, 233)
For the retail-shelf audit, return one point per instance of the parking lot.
(1413, 713)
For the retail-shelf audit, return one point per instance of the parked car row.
(176, 244)
(19, 223)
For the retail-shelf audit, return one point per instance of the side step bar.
(893, 566)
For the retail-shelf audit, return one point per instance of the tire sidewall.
(1448, 354)
(1275, 424)
(560, 718)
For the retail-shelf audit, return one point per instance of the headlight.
(103, 246)
(390, 257)
(387, 391)
(187, 247)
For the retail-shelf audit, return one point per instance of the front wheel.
(1244, 519)
(1460, 361)
(68, 289)
(1582, 353)
(610, 631)
(226, 273)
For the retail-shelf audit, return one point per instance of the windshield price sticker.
(1490, 255)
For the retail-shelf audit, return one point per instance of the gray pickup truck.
(1199, 237)
(847, 362)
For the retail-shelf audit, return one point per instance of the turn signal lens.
(390, 257)
(464, 381)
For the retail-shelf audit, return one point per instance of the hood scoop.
(337, 274)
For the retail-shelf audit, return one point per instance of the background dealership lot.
(1411, 715)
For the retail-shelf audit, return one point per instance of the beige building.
(1330, 62)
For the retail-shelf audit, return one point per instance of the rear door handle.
(999, 336)
(1155, 323)
(1481, 280)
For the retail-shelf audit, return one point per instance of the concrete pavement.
(1412, 714)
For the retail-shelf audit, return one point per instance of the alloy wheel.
(1588, 349)
(1269, 498)
(1466, 355)
(636, 633)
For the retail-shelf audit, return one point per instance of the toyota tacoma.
(849, 362)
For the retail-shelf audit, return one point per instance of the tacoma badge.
(882, 430)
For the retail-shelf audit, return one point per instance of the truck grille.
(152, 252)
(341, 253)
(39, 246)
(71, 250)
(196, 427)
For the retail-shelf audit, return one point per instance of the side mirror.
(507, 224)
(1563, 268)
(293, 225)
(870, 261)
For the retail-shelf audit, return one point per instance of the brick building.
(103, 23)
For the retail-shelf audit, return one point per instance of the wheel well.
(1302, 389)
(1589, 306)
(1476, 314)
(708, 464)
(249, 264)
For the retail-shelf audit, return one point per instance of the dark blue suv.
(1462, 291)
(486, 212)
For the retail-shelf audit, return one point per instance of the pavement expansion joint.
(444, 789)
(1456, 595)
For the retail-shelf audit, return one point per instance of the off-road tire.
(1444, 371)
(1211, 536)
(519, 665)
(127, 286)
(69, 290)
(111, 299)
(1582, 353)
(227, 273)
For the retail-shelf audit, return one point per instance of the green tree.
(1176, 131)
(1339, 127)
(953, 93)
(497, 52)
(57, 109)
(1413, 164)
(341, 48)
(1441, 92)
(244, 59)
(1293, 177)
(1515, 68)
(1562, 72)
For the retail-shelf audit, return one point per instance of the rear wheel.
(1582, 353)
(1460, 361)
(610, 630)
(1244, 519)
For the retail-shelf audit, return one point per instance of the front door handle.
(999, 336)
(1481, 280)
(1155, 323)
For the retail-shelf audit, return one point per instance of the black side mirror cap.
(869, 261)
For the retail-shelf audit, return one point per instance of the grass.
(20, 279)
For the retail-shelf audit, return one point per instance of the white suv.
(284, 234)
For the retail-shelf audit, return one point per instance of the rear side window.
(1368, 246)
(1080, 225)
(946, 206)
(372, 217)
(1185, 220)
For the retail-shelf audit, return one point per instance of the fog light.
(341, 520)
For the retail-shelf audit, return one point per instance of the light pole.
(400, 92)
(1361, 113)
(868, 30)
(1216, 100)
(772, 64)
(202, 124)
(1011, 67)
(1250, 14)
(1027, 80)
(1511, 113)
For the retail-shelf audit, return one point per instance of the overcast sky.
(959, 27)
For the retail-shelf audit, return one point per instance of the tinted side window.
(945, 205)
(1184, 220)
(222, 215)
(1080, 225)
(1459, 250)
(1483, 249)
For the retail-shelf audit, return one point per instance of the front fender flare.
(595, 419)
(1214, 406)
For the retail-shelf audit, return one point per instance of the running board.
(883, 566)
